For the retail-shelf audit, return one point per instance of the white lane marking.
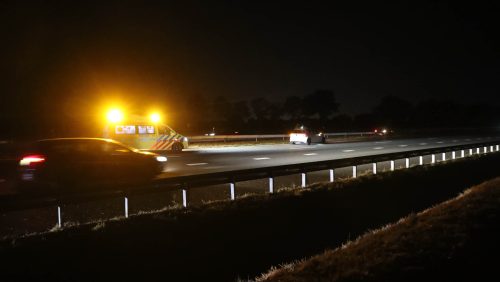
(403, 145)
(440, 142)
(260, 159)
(378, 148)
(310, 154)
(212, 167)
(347, 151)
(195, 164)
(422, 144)
(382, 142)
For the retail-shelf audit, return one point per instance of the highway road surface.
(198, 161)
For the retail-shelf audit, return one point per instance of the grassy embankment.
(225, 240)
(331, 140)
(455, 241)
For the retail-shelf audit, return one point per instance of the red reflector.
(31, 159)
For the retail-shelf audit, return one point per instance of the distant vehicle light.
(28, 160)
(155, 117)
(384, 131)
(114, 115)
(161, 158)
(185, 139)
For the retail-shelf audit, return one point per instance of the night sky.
(71, 55)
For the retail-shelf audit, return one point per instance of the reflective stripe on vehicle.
(165, 142)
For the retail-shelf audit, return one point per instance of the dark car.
(68, 163)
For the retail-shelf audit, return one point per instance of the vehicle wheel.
(177, 147)
(308, 141)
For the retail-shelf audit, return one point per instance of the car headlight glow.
(161, 158)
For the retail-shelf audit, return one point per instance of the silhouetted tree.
(221, 108)
(393, 111)
(261, 108)
(240, 111)
(320, 102)
(293, 108)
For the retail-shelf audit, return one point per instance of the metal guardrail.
(184, 183)
(225, 138)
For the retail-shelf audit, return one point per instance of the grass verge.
(454, 241)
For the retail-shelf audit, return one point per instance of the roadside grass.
(199, 145)
(453, 241)
(223, 240)
(231, 143)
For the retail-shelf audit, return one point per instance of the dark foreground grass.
(226, 240)
(455, 241)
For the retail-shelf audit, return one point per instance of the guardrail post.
(420, 160)
(443, 158)
(354, 171)
(304, 179)
(497, 148)
(491, 148)
(392, 165)
(271, 184)
(374, 168)
(126, 207)
(485, 150)
(184, 198)
(470, 152)
(59, 218)
(463, 154)
(407, 162)
(478, 151)
(453, 155)
(332, 175)
(433, 158)
(231, 188)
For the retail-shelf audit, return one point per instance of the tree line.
(320, 110)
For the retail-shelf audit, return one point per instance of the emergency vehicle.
(143, 133)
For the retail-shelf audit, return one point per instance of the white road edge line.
(260, 159)
(378, 148)
(347, 151)
(196, 164)
(310, 154)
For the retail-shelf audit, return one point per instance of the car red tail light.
(31, 160)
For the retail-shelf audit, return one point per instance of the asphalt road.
(198, 161)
